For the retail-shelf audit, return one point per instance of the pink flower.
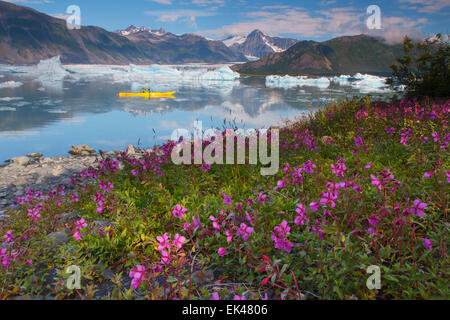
(165, 257)
(359, 141)
(215, 296)
(77, 235)
(178, 241)
(9, 236)
(227, 200)
(245, 231)
(229, 235)
(328, 198)
(368, 166)
(196, 222)
(427, 175)
(80, 224)
(375, 181)
(75, 198)
(427, 243)
(236, 297)
(339, 168)
(215, 224)
(222, 252)
(138, 275)
(179, 211)
(281, 184)
(262, 198)
(314, 206)
(300, 219)
(164, 242)
(418, 208)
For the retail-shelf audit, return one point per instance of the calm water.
(50, 118)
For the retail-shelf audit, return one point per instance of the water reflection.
(49, 118)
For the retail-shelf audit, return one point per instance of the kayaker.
(145, 90)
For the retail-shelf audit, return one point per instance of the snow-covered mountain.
(132, 30)
(257, 44)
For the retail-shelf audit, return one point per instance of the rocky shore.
(42, 174)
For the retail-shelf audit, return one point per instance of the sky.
(305, 20)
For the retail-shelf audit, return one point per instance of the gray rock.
(108, 274)
(203, 276)
(78, 150)
(59, 238)
(22, 161)
(35, 155)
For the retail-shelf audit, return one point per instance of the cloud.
(168, 2)
(425, 6)
(277, 20)
(188, 16)
(208, 2)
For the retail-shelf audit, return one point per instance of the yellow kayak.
(147, 94)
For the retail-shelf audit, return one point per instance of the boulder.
(59, 238)
(81, 150)
(22, 161)
(35, 156)
(131, 150)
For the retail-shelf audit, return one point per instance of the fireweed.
(360, 183)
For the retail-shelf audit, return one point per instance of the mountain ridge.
(342, 55)
(28, 36)
(257, 44)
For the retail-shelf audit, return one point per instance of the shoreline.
(45, 173)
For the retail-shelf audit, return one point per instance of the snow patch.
(234, 40)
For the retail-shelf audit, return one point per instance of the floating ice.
(9, 99)
(50, 70)
(7, 109)
(300, 81)
(10, 84)
(365, 83)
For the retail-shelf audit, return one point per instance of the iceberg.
(10, 84)
(299, 81)
(221, 74)
(50, 70)
(366, 83)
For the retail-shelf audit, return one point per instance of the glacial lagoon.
(50, 107)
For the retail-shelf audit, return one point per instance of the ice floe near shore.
(300, 81)
(365, 83)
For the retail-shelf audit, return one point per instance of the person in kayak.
(146, 90)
